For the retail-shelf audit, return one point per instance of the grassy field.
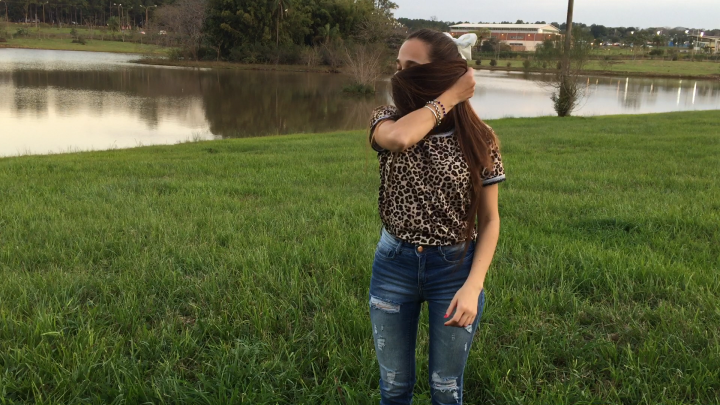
(237, 271)
(651, 67)
(46, 37)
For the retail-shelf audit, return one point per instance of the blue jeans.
(403, 277)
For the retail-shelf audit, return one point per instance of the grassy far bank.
(46, 37)
(231, 65)
(93, 46)
(639, 67)
(50, 37)
(237, 271)
(650, 68)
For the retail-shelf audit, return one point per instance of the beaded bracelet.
(438, 105)
(444, 112)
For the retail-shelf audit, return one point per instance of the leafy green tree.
(113, 24)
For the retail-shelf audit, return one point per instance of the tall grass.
(237, 271)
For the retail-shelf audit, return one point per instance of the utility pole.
(145, 24)
(566, 96)
(568, 39)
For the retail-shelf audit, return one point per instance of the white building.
(520, 37)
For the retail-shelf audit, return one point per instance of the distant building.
(520, 37)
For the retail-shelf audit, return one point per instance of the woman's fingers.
(455, 321)
(453, 305)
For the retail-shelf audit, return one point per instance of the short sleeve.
(497, 174)
(379, 114)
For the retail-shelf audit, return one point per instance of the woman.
(439, 169)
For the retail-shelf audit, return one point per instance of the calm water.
(57, 101)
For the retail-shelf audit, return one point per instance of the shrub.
(526, 64)
(310, 56)
(544, 65)
(258, 53)
(509, 65)
(657, 52)
(79, 40)
(22, 32)
(332, 55)
(674, 57)
(358, 88)
(493, 62)
(175, 54)
(73, 33)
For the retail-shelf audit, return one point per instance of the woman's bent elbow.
(398, 142)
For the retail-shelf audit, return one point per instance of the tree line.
(240, 30)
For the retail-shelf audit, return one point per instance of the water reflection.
(52, 101)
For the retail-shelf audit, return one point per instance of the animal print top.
(425, 199)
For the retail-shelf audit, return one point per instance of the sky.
(701, 14)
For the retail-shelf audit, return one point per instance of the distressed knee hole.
(385, 306)
(469, 328)
(394, 383)
(390, 377)
(380, 343)
(445, 385)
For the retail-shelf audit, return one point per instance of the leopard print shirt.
(425, 198)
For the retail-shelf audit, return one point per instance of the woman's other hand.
(465, 304)
(462, 90)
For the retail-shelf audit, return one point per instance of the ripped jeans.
(403, 277)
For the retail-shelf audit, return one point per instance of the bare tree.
(365, 62)
(367, 55)
(310, 56)
(564, 83)
(184, 19)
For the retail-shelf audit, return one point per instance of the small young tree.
(567, 92)
(113, 24)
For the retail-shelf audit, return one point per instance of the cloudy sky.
(644, 13)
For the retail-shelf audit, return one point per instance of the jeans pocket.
(386, 249)
(454, 254)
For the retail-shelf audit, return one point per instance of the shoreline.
(151, 60)
(325, 69)
(233, 66)
(4, 45)
(609, 73)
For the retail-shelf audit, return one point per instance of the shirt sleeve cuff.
(494, 180)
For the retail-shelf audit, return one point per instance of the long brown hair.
(414, 86)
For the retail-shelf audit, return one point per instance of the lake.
(60, 101)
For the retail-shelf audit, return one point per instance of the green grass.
(237, 271)
(661, 67)
(653, 67)
(46, 37)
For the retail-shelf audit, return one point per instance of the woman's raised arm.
(397, 136)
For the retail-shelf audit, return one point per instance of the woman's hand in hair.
(465, 305)
(462, 90)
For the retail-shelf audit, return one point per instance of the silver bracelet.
(437, 119)
(437, 108)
